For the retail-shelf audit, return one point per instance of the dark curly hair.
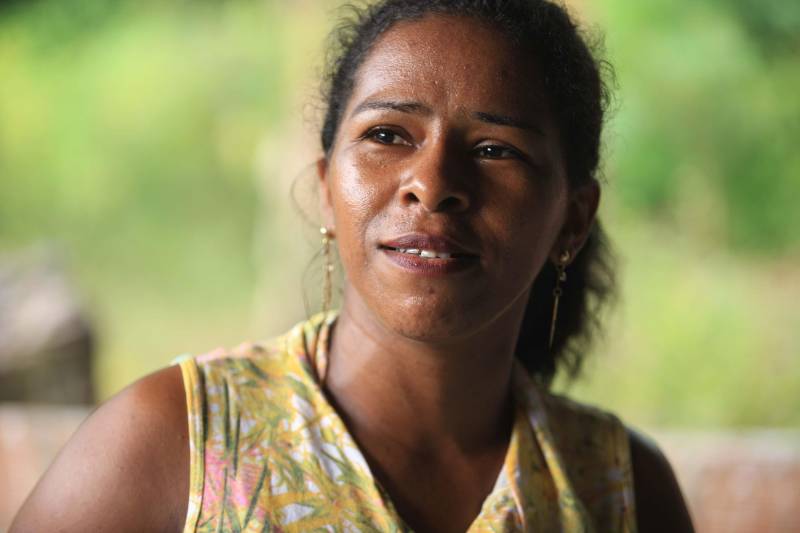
(574, 82)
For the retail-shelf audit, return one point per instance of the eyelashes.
(498, 151)
(384, 135)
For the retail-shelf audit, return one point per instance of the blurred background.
(150, 151)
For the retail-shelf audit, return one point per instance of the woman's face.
(446, 186)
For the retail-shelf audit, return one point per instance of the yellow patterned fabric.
(269, 452)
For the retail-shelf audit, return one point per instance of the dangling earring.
(561, 277)
(327, 283)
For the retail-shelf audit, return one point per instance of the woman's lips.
(429, 254)
(425, 244)
(429, 262)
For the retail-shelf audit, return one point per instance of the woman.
(461, 143)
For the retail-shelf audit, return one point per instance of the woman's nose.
(436, 180)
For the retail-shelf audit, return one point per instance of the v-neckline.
(503, 487)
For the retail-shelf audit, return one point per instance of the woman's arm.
(659, 502)
(125, 469)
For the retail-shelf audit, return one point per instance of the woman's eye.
(385, 136)
(492, 151)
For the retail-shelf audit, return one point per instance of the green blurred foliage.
(708, 117)
(128, 134)
(704, 184)
(133, 135)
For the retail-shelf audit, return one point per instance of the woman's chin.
(431, 320)
(434, 313)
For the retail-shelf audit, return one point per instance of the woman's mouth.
(430, 263)
(427, 254)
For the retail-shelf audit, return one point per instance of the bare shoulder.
(125, 469)
(659, 502)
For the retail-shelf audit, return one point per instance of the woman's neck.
(422, 397)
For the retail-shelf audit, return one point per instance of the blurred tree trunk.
(46, 342)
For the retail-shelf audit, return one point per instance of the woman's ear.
(578, 220)
(325, 204)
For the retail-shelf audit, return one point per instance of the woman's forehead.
(452, 61)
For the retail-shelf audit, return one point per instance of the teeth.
(427, 254)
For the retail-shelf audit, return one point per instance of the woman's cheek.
(359, 194)
(363, 181)
(521, 223)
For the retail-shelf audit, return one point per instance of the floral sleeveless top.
(269, 452)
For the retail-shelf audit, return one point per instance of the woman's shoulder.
(252, 372)
(251, 375)
(594, 447)
(127, 466)
(660, 505)
(579, 424)
(125, 469)
(254, 361)
(586, 432)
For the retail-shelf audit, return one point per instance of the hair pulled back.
(578, 97)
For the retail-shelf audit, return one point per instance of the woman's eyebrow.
(422, 109)
(404, 107)
(505, 120)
